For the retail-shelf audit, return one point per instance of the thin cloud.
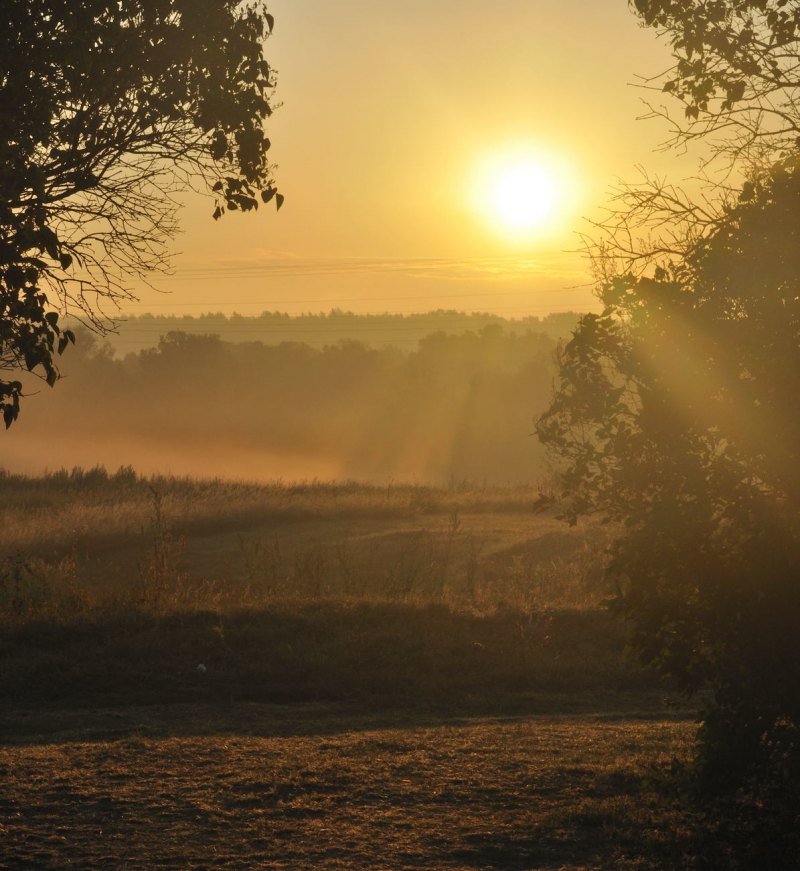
(486, 268)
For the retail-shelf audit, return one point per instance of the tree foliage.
(737, 68)
(737, 79)
(676, 417)
(111, 107)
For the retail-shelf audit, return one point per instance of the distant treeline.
(458, 407)
(318, 330)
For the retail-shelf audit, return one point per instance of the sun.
(526, 195)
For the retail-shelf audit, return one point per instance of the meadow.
(172, 542)
(324, 675)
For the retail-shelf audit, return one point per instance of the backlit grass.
(211, 674)
(508, 794)
(88, 540)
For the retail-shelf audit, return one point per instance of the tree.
(676, 417)
(737, 70)
(109, 109)
(737, 79)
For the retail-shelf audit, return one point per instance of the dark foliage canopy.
(676, 417)
(737, 69)
(108, 108)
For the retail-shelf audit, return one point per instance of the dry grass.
(218, 675)
(544, 793)
(395, 596)
(87, 540)
(92, 507)
(383, 656)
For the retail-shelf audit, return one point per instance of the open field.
(182, 543)
(264, 787)
(208, 674)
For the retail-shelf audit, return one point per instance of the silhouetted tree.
(110, 107)
(736, 69)
(737, 79)
(676, 414)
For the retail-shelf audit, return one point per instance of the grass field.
(299, 789)
(179, 543)
(208, 674)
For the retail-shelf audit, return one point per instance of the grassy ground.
(204, 674)
(313, 791)
(380, 655)
(89, 540)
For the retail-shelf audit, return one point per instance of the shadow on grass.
(642, 824)
(38, 726)
(366, 658)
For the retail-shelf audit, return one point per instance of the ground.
(328, 676)
(310, 789)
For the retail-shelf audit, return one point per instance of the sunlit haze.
(525, 197)
(528, 196)
(432, 156)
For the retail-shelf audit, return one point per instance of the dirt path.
(545, 793)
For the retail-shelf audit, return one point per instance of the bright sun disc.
(527, 194)
(524, 196)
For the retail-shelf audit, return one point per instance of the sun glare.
(525, 194)
(524, 197)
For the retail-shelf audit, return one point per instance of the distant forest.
(138, 332)
(457, 406)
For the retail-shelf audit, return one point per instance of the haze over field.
(375, 399)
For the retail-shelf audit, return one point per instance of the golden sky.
(397, 125)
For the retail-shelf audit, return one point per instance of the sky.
(397, 127)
